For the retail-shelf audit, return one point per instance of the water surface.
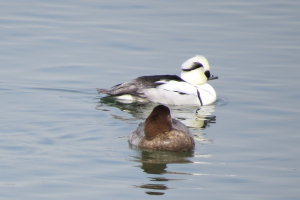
(60, 139)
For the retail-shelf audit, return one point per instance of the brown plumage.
(161, 132)
(158, 122)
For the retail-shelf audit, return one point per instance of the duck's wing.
(170, 91)
(132, 87)
(123, 88)
(180, 87)
(137, 134)
(180, 126)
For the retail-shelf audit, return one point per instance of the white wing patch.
(179, 87)
(172, 92)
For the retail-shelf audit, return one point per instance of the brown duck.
(161, 132)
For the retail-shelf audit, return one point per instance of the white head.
(195, 70)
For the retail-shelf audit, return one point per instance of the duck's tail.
(103, 91)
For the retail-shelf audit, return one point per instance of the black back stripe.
(199, 97)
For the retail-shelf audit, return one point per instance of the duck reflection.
(192, 116)
(155, 163)
(154, 187)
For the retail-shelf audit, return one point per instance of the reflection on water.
(154, 187)
(155, 162)
(54, 143)
(192, 116)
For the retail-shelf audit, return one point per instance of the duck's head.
(159, 121)
(196, 70)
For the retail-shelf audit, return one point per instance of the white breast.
(207, 93)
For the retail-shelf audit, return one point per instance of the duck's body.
(161, 132)
(190, 89)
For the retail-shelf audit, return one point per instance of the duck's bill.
(213, 77)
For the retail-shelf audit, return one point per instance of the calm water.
(60, 140)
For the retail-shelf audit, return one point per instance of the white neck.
(195, 77)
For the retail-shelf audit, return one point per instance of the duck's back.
(138, 134)
(174, 140)
(131, 87)
(180, 126)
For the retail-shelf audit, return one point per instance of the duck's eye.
(207, 74)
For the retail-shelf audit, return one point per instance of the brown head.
(159, 121)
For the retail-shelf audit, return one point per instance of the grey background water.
(58, 140)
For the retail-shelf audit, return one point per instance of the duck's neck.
(195, 77)
(156, 125)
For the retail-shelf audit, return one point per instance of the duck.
(161, 132)
(191, 88)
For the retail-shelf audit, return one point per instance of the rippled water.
(59, 139)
